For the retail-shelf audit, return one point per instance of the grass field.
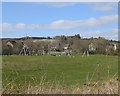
(65, 70)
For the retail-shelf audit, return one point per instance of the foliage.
(76, 43)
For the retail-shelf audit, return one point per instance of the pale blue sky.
(51, 19)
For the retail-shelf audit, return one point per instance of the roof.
(66, 45)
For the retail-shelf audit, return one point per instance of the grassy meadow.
(19, 72)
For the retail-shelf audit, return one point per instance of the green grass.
(68, 70)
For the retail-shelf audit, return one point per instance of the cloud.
(111, 34)
(59, 4)
(105, 7)
(20, 26)
(97, 6)
(6, 27)
(91, 23)
(91, 34)
(115, 30)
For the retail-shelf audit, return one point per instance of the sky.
(38, 19)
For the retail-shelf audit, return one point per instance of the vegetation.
(63, 64)
(25, 73)
(76, 44)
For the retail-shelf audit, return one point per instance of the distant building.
(10, 43)
(112, 46)
(53, 45)
(66, 46)
(92, 47)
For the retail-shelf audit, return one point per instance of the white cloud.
(91, 23)
(59, 4)
(98, 6)
(6, 27)
(111, 34)
(101, 22)
(91, 34)
(115, 30)
(20, 26)
(109, 6)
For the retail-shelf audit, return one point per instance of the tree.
(80, 46)
(17, 48)
(6, 50)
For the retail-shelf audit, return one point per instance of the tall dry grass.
(54, 87)
(106, 87)
(99, 87)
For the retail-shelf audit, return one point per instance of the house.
(10, 43)
(53, 46)
(66, 46)
(92, 47)
(112, 46)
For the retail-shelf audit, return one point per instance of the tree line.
(77, 44)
